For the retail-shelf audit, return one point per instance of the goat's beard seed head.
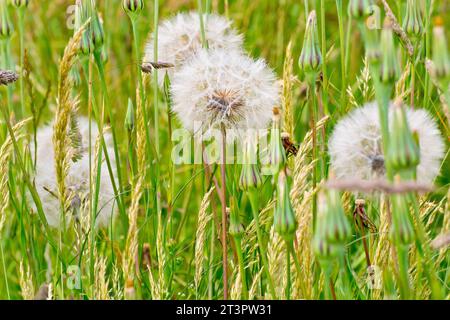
(179, 38)
(77, 180)
(219, 88)
(355, 145)
(225, 105)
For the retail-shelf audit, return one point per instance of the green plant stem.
(107, 105)
(4, 271)
(405, 290)
(288, 273)
(241, 261)
(253, 197)
(315, 147)
(340, 12)
(21, 14)
(156, 108)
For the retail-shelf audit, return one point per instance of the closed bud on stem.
(82, 14)
(20, 3)
(75, 76)
(133, 7)
(390, 69)
(284, 218)
(373, 52)
(236, 229)
(129, 119)
(402, 230)
(323, 249)
(403, 150)
(310, 59)
(359, 9)
(96, 26)
(412, 22)
(250, 175)
(277, 152)
(441, 58)
(6, 27)
(337, 226)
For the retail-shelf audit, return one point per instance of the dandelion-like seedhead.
(355, 146)
(180, 37)
(77, 180)
(219, 88)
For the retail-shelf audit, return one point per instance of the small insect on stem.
(150, 66)
(290, 147)
(363, 222)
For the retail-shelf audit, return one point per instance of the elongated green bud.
(390, 69)
(441, 58)
(250, 175)
(373, 51)
(412, 22)
(403, 151)
(337, 227)
(277, 152)
(310, 59)
(97, 33)
(82, 13)
(130, 118)
(20, 3)
(6, 27)
(402, 230)
(284, 217)
(236, 228)
(133, 7)
(322, 247)
(359, 9)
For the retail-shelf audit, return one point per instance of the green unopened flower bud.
(412, 22)
(97, 33)
(390, 69)
(236, 228)
(277, 152)
(373, 52)
(133, 7)
(75, 76)
(310, 59)
(250, 175)
(337, 227)
(82, 14)
(322, 247)
(403, 151)
(359, 9)
(129, 119)
(6, 27)
(20, 3)
(284, 217)
(402, 230)
(441, 58)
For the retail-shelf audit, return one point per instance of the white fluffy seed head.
(180, 37)
(355, 146)
(77, 180)
(218, 87)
